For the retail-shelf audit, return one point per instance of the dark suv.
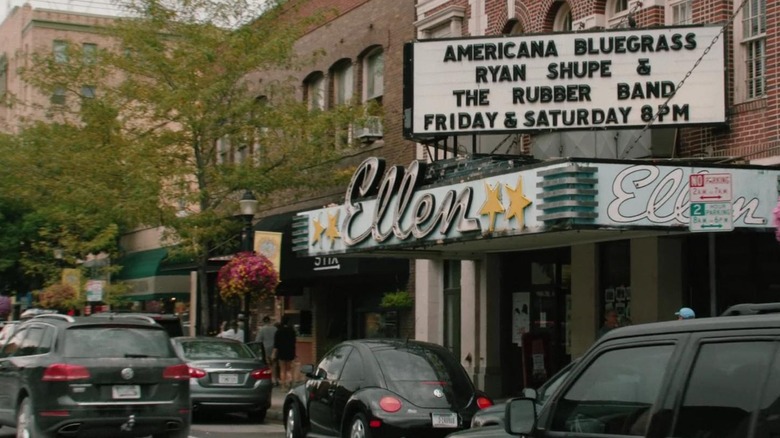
(84, 376)
(709, 377)
(171, 323)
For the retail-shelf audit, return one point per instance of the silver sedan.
(225, 375)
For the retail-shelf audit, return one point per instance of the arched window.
(315, 91)
(374, 75)
(343, 82)
(563, 18)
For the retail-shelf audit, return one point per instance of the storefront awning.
(142, 271)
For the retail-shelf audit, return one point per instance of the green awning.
(183, 296)
(141, 264)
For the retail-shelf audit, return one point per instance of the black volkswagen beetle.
(383, 388)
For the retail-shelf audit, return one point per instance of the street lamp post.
(248, 207)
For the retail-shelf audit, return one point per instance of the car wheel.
(258, 415)
(26, 426)
(292, 426)
(359, 427)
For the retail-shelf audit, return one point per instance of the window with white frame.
(223, 150)
(374, 75)
(315, 91)
(678, 12)
(617, 13)
(563, 20)
(60, 49)
(754, 47)
(444, 23)
(89, 53)
(58, 96)
(343, 83)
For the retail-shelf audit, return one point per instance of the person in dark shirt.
(284, 351)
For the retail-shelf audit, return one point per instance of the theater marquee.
(584, 80)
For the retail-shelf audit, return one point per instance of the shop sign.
(584, 80)
(390, 208)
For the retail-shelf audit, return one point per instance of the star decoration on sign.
(492, 205)
(318, 230)
(333, 228)
(517, 201)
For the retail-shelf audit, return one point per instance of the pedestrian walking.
(685, 313)
(265, 335)
(284, 351)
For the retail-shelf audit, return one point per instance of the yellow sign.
(269, 244)
(73, 278)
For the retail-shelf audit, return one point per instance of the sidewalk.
(274, 413)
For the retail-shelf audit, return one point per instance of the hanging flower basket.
(5, 306)
(247, 274)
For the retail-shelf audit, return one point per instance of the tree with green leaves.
(174, 129)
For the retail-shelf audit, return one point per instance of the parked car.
(7, 330)
(384, 388)
(226, 375)
(709, 377)
(494, 415)
(170, 322)
(83, 376)
(751, 309)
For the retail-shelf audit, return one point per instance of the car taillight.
(177, 372)
(484, 402)
(63, 372)
(261, 374)
(197, 373)
(390, 404)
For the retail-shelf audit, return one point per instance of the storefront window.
(452, 305)
(615, 280)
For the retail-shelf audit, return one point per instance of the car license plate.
(125, 392)
(445, 420)
(228, 379)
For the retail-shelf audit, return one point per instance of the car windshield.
(413, 372)
(91, 341)
(200, 350)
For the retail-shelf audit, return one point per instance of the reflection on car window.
(31, 342)
(200, 350)
(615, 393)
(116, 342)
(330, 366)
(724, 389)
(353, 369)
(13, 344)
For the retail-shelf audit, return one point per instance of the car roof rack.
(55, 316)
(114, 315)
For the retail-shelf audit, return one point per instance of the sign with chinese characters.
(584, 80)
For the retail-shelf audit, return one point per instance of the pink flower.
(247, 273)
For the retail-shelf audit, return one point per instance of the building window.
(58, 97)
(343, 83)
(315, 91)
(89, 52)
(563, 19)
(617, 13)
(374, 68)
(754, 44)
(60, 51)
(679, 12)
(3, 75)
(445, 23)
(452, 306)
(88, 91)
(223, 150)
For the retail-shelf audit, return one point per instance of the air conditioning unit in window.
(369, 130)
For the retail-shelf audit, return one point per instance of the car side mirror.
(520, 416)
(308, 370)
(530, 393)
